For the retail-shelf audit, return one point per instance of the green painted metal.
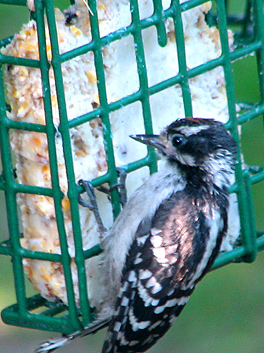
(249, 30)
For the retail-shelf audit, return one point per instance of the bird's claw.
(91, 204)
(120, 185)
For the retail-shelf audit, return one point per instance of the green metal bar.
(257, 178)
(6, 248)
(71, 54)
(191, 4)
(233, 188)
(241, 194)
(13, 60)
(96, 250)
(186, 93)
(143, 79)
(260, 241)
(227, 66)
(100, 180)
(82, 119)
(34, 190)
(38, 255)
(246, 117)
(230, 257)
(132, 98)
(259, 34)
(6, 41)
(246, 18)
(97, 181)
(250, 245)
(51, 131)
(11, 204)
(131, 167)
(55, 311)
(11, 316)
(250, 48)
(254, 179)
(72, 188)
(237, 254)
(14, 2)
(160, 25)
(99, 68)
(235, 55)
(22, 125)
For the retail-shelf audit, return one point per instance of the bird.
(167, 236)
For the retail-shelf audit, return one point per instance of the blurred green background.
(226, 312)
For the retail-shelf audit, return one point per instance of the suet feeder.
(65, 317)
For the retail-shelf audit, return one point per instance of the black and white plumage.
(167, 236)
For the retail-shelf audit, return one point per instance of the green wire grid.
(249, 39)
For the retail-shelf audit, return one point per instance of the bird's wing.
(159, 265)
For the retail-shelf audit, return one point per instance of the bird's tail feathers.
(55, 343)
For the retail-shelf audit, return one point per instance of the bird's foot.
(120, 185)
(91, 204)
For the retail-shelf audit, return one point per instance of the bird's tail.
(55, 343)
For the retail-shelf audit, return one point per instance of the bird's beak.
(151, 141)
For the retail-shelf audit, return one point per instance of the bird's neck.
(220, 170)
(215, 172)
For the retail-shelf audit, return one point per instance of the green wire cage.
(37, 312)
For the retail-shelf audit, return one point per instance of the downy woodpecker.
(166, 237)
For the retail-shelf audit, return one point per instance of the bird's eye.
(177, 140)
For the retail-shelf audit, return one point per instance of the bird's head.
(198, 143)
